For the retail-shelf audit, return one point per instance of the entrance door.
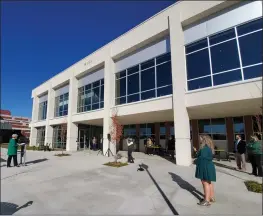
(83, 139)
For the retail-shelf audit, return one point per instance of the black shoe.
(8, 166)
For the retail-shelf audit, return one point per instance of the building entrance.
(86, 134)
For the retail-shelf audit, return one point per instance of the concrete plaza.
(81, 184)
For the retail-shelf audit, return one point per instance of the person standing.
(254, 149)
(130, 143)
(240, 153)
(22, 142)
(12, 151)
(205, 169)
(94, 143)
(171, 146)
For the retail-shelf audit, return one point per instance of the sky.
(42, 38)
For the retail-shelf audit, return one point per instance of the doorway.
(86, 134)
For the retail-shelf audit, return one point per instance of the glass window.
(228, 77)
(164, 91)
(133, 70)
(164, 74)
(223, 36)
(239, 127)
(61, 105)
(59, 136)
(95, 106)
(129, 130)
(196, 46)
(41, 136)
(253, 72)
(96, 84)
(88, 87)
(163, 58)
(204, 126)
(148, 79)
(251, 48)
(121, 100)
(95, 95)
(87, 108)
(199, 83)
(102, 81)
(133, 83)
(133, 98)
(162, 129)
(225, 56)
(102, 93)
(121, 74)
(148, 95)
(219, 137)
(121, 87)
(218, 126)
(249, 27)
(198, 64)
(102, 105)
(147, 129)
(42, 112)
(147, 64)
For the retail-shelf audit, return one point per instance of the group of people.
(13, 144)
(205, 168)
(254, 152)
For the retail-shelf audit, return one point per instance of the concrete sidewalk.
(81, 184)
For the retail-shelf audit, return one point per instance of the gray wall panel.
(43, 98)
(229, 18)
(62, 90)
(91, 77)
(143, 54)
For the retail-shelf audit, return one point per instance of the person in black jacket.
(240, 153)
(171, 146)
(22, 141)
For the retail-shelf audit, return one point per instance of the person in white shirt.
(130, 143)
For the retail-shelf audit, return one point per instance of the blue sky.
(40, 39)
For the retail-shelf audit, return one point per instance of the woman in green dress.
(205, 169)
(12, 151)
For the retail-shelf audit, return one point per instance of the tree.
(116, 128)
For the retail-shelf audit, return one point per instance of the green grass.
(115, 164)
(253, 186)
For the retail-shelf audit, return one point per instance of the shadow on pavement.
(2, 160)
(187, 186)
(227, 167)
(36, 161)
(11, 208)
(144, 166)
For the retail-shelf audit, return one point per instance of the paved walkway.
(81, 184)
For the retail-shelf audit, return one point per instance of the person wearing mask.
(130, 144)
(205, 169)
(240, 153)
(254, 149)
(12, 151)
(171, 146)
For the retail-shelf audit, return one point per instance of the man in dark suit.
(240, 150)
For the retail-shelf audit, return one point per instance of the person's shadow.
(187, 186)
(11, 208)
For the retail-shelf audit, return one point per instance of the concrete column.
(109, 95)
(248, 127)
(72, 128)
(33, 130)
(181, 118)
(50, 115)
(230, 133)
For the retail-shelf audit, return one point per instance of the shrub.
(116, 164)
(254, 186)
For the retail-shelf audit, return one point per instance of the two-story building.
(193, 68)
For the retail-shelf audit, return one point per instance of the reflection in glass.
(253, 72)
(164, 74)
(199, 83)
(228, 77)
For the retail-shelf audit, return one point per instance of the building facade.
(193, 68)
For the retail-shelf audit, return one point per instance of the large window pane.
(199, 83)
(218, 126)
(251, 48)
(121, 100)
(102, 93)
(164, 74)
(148, 95)
(249, 27)
(95, 106)
(163, 58)
(253, 72)
(121, 87)
(204, 126)
(133, 70)
(96, 84)
(196, 46)
(148, 79)
(228, 77)
(226, 35)
(147, 64)
(239, 126)
(198, 64)
(95, 95)
(133, 98)
(225, 56)
(164, 91)
(133, 83)
(121, 74)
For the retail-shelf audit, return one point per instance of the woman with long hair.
(205, 169)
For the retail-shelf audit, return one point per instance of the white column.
(33, 130)
(109, 95)
(50, 115)
(181, 118)
(72, 128)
